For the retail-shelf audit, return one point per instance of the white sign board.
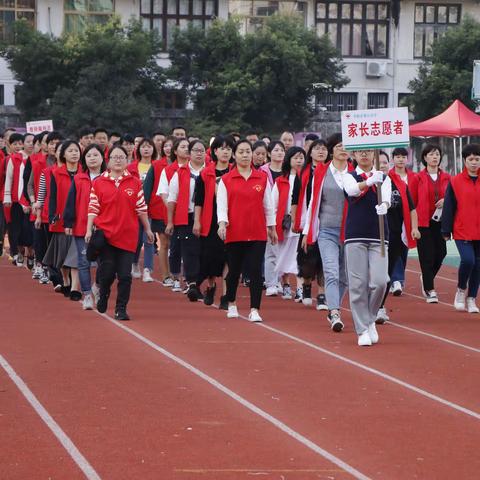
(375, 129)
(40, 126)
(476, 80)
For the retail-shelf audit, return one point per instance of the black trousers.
(3, 226)
(253, 253)
(190, 250)
(117, 262)
(432, 249)
(19, 229)
(395, 250)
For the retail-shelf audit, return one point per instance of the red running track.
(139, 400)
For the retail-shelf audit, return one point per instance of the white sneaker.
(168, 282)
(472, 306)
(382, 316)
(44, 280)
(279, 288)
(432, 297)
(37, 272)
(364, 339)
(287, 292)
(396, 288)
(96, 292)
(298, 295)
(147, 276)
(87, 303)
(232, 312)
(20, 260)
(254, 316)
(176, 286)
(271, 292)
(372, 333)
(136, 271)
(307, 301)
(459, 302)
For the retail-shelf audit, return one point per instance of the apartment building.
(381, 42)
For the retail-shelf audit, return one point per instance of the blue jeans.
(469, 270)
(398, 274)
(83, 265)
(333, 259)
(148, 249)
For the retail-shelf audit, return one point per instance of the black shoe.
(122, 315)
(102, 303)
(66, 291)
(75, 295)
(209, 295)
(193, 293)
(321, 302)
(30, 263)
(307, 291)
(223, 303)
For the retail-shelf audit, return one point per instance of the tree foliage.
(447, 74)
(263, 80)
(107, 75)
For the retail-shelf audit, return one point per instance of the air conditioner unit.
(376, 68)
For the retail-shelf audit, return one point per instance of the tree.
(264, 80)
(447, 74)
(107, 75)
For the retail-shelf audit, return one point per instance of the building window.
(336, 102)
(2, 94)
(172, 100)
(80, 13)
(377, 100)
(431, 21)
(357, 29)
(12, 10)
(166, 15)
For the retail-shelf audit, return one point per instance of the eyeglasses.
(118, 157)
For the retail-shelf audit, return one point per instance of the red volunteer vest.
(118, 217)
(83, 186)
(466, 224)
(246, 214)
(183, 199)
(283, 186)
(209, 179)
(305, 177)
(63, 182)
(419, 192)
(156, 207)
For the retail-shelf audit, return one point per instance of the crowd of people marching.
(286, 219)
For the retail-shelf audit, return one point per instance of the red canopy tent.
(456, 121)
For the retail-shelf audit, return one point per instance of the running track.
(181, 392)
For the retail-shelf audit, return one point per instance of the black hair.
(83, 161)
(220, 141)
(430, 147)
(470, 149)
(266, 136)
(38, 137)
(235, 134)
(242, 140)
(311, 136)
(100, 130)
(54, 136)
(154, 134)
(176, 143)
(308, 158)
(179, 127)
(115, 134)
(400, 151)
(382, 152)
(251, 132)
(65, 145)
(291, 152)
(15, 137)
(29, 134)
(333, 140)
(272, 145)
(150, 142)
(127, 138)
(258, 144)
(141, 135)
(85, 131)
(193, 143)
(118, 146)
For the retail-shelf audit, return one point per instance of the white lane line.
(438, 276)
(374, 371)
(423, 298)
(244, 402)
(436, 337)
(55, 428)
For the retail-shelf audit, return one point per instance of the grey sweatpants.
(367, 280)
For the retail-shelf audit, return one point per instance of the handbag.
(287, 222)
(96, 244)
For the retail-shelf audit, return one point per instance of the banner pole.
(381, 218)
